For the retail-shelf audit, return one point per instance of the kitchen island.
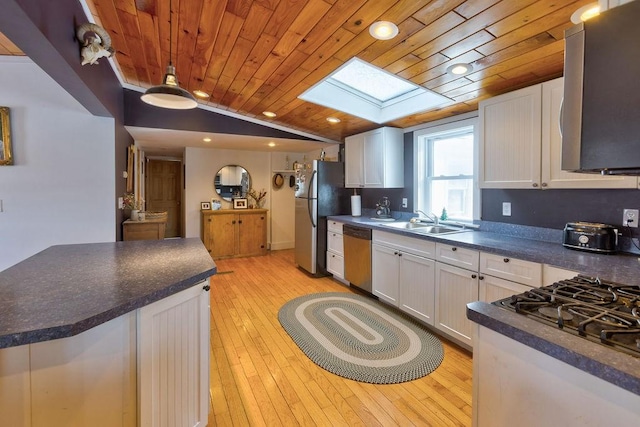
(540, 375)
(85, 330)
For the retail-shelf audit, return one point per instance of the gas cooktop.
(605, 312)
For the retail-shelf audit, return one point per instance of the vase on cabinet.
(135, 215)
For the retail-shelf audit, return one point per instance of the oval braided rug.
(359, 338)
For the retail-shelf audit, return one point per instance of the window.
(445, 171)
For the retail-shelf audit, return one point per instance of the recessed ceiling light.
(459, 69)
(333, 120)
(271, 144)
(383, 30)
(269, 114)
(200, 93)
(206, 139)
(585, 12)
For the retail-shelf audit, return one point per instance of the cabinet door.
(455, 288)
(335, 265)
(385, 264)
(173, 346)
(354, 161)
(510, 136)
(252, 232)
(516, 270)
(417, 287)
(552, 174)
(493, 289)
(335, 243)
(221, 235)
(373, 152)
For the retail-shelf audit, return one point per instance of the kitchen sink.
(406, 225)
(422, 228)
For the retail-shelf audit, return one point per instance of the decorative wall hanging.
(5, 137)
(95, 42)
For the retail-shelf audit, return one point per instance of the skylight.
(366, 91)
(372, 81)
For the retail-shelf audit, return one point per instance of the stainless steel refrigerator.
(319, 192)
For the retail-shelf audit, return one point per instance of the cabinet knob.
(454, 249)
(240, 222)
(395, 253)
(535, 184)
(209, 219)
(400, 254)
(506, 260)
(261, 217)
(206, 287)
(473, 276)
(481, 278)
(233, 222)
(544, 184)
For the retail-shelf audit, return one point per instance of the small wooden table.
(149, 229)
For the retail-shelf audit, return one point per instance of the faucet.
(433, 217)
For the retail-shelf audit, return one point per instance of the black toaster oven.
(589, 236)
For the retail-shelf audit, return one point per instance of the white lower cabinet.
(385, 274)
(493, 289)
(454, 288)
(404, 280)
(173, 360)
(417, 287)
(335, 250)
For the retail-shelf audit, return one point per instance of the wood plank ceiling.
(255, 56)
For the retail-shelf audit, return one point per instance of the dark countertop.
(68, 289)
(620, 369)
(620, 268)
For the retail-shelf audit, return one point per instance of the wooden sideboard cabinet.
(150, 229)
(234, 233)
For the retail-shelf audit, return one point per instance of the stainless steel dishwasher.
(357, 256)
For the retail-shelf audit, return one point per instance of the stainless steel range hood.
(601, 108)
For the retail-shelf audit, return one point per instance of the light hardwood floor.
(259, 377)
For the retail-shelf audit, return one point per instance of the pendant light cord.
(170, 33)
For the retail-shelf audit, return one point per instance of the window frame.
(422, 136)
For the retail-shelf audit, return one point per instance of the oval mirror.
(232, 181)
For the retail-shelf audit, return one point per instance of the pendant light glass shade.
(169, 94)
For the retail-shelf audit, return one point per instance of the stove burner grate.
(604, 312)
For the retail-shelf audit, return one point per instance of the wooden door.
(162, 192)
(222, 234)
(252, 234)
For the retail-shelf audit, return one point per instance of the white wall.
(201, 166)
(61, 188)
(203, 163)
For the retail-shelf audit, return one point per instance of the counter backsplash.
(550, 235)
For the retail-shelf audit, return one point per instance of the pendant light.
(169, 94)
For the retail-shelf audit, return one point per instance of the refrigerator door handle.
(313, 175)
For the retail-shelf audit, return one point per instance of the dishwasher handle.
(357, 232)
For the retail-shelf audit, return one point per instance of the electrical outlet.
(506, 208)
(120, 203)
(404, 202)
(630, 217)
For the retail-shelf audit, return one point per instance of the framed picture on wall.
(205, 205)
(5, 137)
(239, 203)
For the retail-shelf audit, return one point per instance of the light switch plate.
(506, 208)
(404, 202)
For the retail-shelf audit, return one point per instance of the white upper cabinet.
(375, 159)
(521, 144)
(510, 137)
